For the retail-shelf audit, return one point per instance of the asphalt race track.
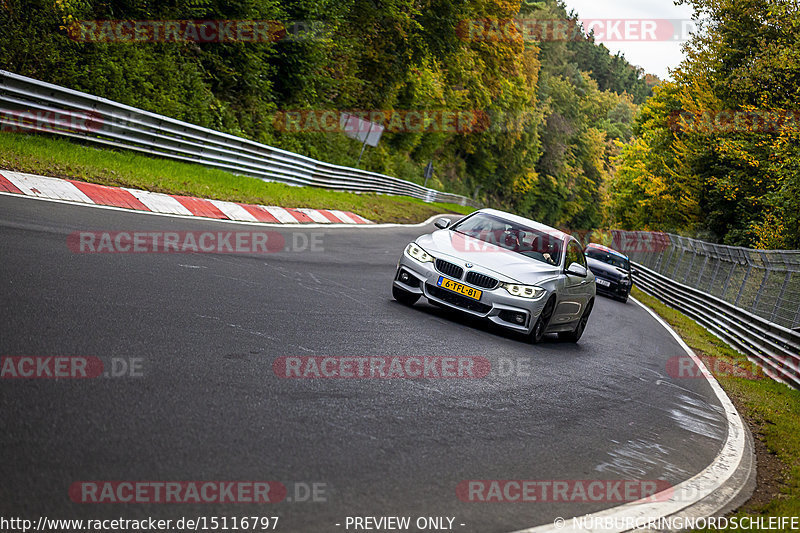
(207, 405)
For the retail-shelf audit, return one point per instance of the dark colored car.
(612, 271)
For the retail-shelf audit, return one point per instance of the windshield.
(527, 241)
(608, 258)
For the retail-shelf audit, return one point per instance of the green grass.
(64, 159)
(771, 408)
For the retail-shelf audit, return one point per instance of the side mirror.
(442, 223)
(577, 269)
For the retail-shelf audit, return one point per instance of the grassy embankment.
(64, 159)
(771, 409)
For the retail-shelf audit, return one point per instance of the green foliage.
(60, 158)
(772, 410)
(734, 180)
(550, 112)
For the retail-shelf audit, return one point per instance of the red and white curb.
(719, 488)
(153, 202)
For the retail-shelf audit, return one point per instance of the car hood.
(605, 270)
(486, 257)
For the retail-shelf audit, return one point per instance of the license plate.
(603, 282)
(460, 288)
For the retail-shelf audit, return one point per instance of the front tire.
(575, 335)
(404, 297)
(537, 334)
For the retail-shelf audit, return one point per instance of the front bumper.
(615, 288)
(496, 305)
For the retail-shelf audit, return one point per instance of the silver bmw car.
(519, 274)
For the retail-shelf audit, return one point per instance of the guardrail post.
(796, 321)
(663, 260)
(678, 263)
(728, 279)
(735, 254)
(653, 255)
(718, 262)
(669, 258)
(771, 346)
(691, 263)
(780, 297)
(760, 290)
(139, 130)
(659, 257)
(744, 283)
(700, 275)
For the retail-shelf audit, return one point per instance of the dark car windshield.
(609, 258)
(527, 241)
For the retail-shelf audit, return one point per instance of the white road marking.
(43, 187)
(678, 499)
(315, 215)
(160, 203)
(342, 227)
(341, 215)
(281, 214)
(234, 211)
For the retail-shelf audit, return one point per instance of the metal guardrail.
(749, 298)
(765, 283)
(36, 106)
(774, 348)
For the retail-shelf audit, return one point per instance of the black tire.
(537, 333)
(404, 297)
(575, 335)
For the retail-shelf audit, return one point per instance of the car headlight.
(415, 252)
(524, 291)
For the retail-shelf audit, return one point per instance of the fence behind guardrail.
(34, 106)
(763, 282)
(750, 298)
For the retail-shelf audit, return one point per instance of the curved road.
(208, 406)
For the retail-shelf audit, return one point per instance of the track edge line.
(721, 487)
